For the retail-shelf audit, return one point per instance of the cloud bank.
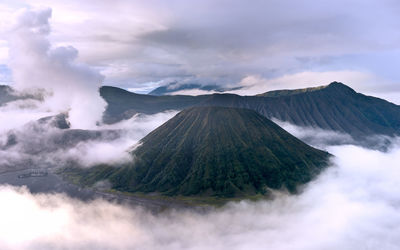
(352, 205)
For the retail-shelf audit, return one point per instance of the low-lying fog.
(353, 205)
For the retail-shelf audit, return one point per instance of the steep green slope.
(334, 107)
(214, 151)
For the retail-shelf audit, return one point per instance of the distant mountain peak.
(338, 86)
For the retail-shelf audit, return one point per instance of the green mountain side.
(214, 151)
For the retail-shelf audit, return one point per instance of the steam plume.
(36, 65)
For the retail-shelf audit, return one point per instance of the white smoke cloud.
(17, 113)
(352, 205)
(47, 146)
(115, 151)
(68, 87)
(36, 65)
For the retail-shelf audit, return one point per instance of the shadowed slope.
(335, 107)
(217, 151)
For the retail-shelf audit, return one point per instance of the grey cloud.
(223, 41)
(240, 39)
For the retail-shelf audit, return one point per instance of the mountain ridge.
(335, 107)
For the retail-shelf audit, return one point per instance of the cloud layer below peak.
(352, 205)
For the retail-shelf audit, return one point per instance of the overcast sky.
(262, 45)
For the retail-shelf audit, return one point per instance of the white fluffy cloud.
(68, 86)
(43, 145)
(117, 150)
(351, 205)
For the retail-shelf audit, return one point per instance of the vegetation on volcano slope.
(214, 151)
